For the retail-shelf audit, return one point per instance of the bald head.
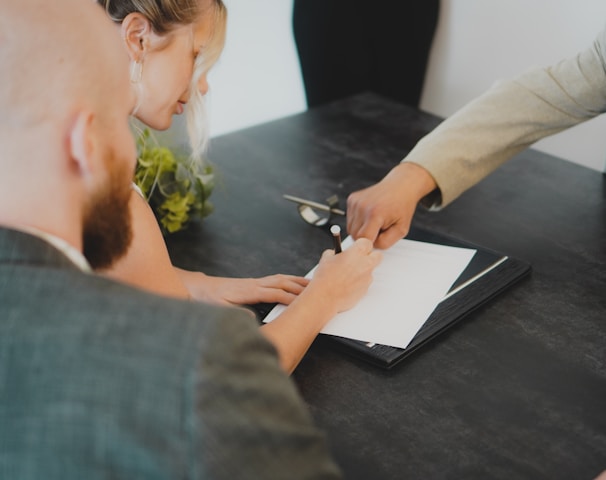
(66, 150)
(54, 55)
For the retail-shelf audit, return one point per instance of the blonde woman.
(172, 44)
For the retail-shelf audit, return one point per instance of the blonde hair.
(165, 15)
(196, 111)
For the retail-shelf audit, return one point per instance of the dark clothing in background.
(350, 46)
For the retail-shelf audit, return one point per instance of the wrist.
(416, 180)
(324, 301)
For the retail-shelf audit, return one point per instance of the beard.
(107, 229)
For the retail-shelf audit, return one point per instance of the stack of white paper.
(408, 285)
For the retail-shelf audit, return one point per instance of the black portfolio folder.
(488, 274)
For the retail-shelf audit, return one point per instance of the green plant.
(176, 188)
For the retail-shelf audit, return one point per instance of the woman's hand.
(345, 277)
(340, 280)
(242, 291)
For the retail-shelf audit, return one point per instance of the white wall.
(258, 76)
(478, 41)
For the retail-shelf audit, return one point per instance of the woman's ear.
(136, 30)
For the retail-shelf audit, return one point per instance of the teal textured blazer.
(99, 380)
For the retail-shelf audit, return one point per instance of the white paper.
(411, 280)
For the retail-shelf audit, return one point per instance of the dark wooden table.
(517, 390)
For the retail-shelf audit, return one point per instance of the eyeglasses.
(315, 213)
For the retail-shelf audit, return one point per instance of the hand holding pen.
(343, 278)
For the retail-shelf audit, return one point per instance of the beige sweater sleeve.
(508, 118)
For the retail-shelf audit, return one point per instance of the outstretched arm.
(480, 137)
(147, 265)
(338, 283)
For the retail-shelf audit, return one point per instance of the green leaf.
(176, 189)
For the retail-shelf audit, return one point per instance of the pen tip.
(335, 230)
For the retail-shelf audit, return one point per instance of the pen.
(336, 236)
(316, 205)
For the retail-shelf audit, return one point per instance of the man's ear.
(81, 143)
(136, 30)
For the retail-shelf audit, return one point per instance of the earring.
(136, 72)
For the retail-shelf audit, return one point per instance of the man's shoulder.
(166, 319)
(49, 290)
